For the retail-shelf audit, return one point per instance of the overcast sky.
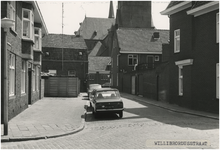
(75, 12)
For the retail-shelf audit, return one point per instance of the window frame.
(92, 76)
(30, 21)
(176, 39)
(34, 78)
(13, 12)
(12, 70)
(156, 58)
(39, 39)
(180, 80)
(23, 76)
(131, 57)
(72, 73)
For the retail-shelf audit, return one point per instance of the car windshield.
(107, 95)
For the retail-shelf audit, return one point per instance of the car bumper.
(110, 110)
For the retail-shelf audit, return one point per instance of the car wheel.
(120, 114)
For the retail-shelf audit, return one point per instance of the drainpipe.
(6, 24)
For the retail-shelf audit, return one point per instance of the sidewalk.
(170, 107)
(47, 118)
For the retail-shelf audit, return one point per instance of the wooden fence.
(62, 86)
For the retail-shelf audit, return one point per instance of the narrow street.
(141, 124)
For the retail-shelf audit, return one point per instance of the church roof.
(141, 40)
(95, 28)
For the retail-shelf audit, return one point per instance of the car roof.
(94, 84)
(106, 89)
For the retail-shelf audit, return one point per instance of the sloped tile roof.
(200, 3)
(99, 25)
(98, 63)
(69, 41)
(173, 3)
(141, 40)
(196, 3)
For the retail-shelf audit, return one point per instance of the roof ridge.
(100, 18)
(144, 29)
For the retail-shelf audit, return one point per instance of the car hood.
(108, 100)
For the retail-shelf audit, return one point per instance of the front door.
(150, 62)
(29, 85)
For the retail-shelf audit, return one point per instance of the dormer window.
(28, 24)
(37, 38)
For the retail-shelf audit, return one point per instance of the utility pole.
(62, 35)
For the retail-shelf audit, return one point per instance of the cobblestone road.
(141, 124)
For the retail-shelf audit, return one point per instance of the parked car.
(107, 100)
(91, 88)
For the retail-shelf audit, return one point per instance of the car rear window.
(95, 86)
(107, 95)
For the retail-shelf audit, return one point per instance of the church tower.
(134, 14)
(111, 11)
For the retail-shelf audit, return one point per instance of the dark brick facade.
(198, 42)
(72, 60)
(15, 45)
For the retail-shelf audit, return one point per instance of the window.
(217, 27)
(91, 76)
(132, 60)
(177, 41)
(23, 76)
(37, 38)
(180, 80)
(33, 79)
(37, 78)
(52, 72)
(71, 73)
(28, 24)
(11, 75)
(217, 80)
(156, 58)
(104, 77)
(12, 12)
(118, 59)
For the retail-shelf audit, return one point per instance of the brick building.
(95, 32)
(65, 55)
(136, 44)
(193, 54)
(23, 48)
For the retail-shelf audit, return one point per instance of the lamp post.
(6, 23)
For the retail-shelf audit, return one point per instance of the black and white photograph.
(101, 74)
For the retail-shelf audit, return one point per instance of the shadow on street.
(156, 114)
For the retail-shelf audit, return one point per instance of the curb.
(16, 139)
(174, 110)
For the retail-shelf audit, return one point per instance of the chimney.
(156, 35)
